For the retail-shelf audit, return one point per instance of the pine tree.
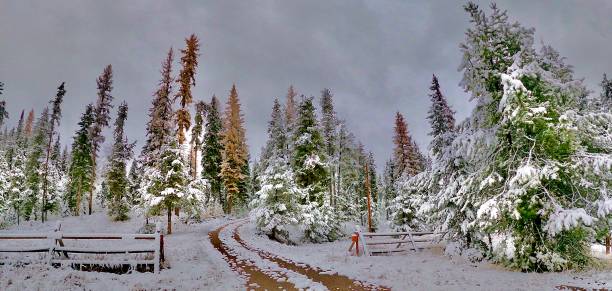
(235, 153)
(81, 162)
(329, 122)
(29, 124)
(160, 126)
(186, 80)
(290, 108)
(101, 120)
(135, 177)
(34, 164)
(212, 149)
(196, 138)
(20, 125)
(290, 112)
(405, 155)
(275, 204)
(56, 114)
(116, 176)
(441, 119)
(606, 93)
(311, 175)
(523, 167)
(3, 112)
(168, 185)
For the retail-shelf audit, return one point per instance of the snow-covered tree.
(167, 185)
(101, 113)
(309, 164)
(81, 163)
(520, 181)
(116, 175)
(212, 149)
(276, 204)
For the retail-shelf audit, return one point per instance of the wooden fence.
(57, 253)
(372, 243)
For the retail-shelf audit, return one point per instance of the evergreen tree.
(405, 155)
(3, 112)
(186, 80)
(101, 119)
(196, 138)
(134, 181)
(441, 119)
(168, 185)
(211, 149)
(29, 124)
(311, 175)
(606, 93)
(160, 126)
(34, 164)
(116, 176)
(235, 153)
(275, 204)
(81, 162)
(56, 114)
(290, 116)
(329, 122)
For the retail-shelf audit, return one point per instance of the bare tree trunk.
(93, 182)
(78, 198)
(169, 220)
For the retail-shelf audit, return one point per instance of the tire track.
(255, 277)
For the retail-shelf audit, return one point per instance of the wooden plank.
(24, 250)
(416, 233)
(102, 262)
(104, 251)
(22, 236)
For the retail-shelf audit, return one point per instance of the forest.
(523, 181)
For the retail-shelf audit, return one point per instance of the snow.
(423, 270)
(194, 263)
(566, 219)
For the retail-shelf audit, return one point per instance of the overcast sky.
(376, 56)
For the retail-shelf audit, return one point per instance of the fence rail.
(372, 243)
(58, 252)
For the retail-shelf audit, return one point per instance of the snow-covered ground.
(424, 270)
(193, 263)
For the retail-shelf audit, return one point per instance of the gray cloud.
(377, 56)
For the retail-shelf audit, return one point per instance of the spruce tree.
(275, 205)
(235, 153)
(29, 123)
(186, 80)
(329, 122)
(405, 155)
(116, 176)
(160, 126)
(441, 119)
(34, 164)
(606, 93)
(168, 185)
(101, 119)
(81, 162)
(3, 112)
(211, 150)
(196, 138)
(309, 163)
(56, 114)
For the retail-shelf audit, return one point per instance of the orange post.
(355, 242)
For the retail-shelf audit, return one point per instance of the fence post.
(607, 244)
(53, 241)
(156, 260)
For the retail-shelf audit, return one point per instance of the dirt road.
(265, 278)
